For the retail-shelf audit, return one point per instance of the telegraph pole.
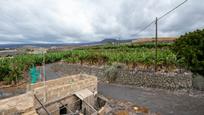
(45, 92)
(156, 30)
(119, 40)
(156, 35)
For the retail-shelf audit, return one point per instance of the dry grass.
(160, 39)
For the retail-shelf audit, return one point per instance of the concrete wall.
(60, 89)
(64, 86)
(144, 78)
(72, 102)
(18, 104)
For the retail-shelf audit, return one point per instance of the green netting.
(34, 74)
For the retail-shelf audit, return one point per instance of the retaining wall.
(141, 78)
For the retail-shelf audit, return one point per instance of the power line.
(148, 25)
(143, 29)
(156, 34)
(172, 10)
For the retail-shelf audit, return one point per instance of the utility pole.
(45, 92)
(156, 24)
(119, 40)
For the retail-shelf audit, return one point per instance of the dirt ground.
(156, 100)
(123, 107)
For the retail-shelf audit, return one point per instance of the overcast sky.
(73, 21)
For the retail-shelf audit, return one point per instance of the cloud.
(67, 21)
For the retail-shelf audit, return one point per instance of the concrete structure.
(55, 97)
(19, 104)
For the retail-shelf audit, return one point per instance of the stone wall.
(141, 78)
(149, 79)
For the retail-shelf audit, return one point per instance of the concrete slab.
(83, 94)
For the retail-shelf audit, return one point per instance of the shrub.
(4, 71)
(111, 73)
(198, 82)
(10, 74)
(189, 49)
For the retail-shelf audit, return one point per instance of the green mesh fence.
(34, 74)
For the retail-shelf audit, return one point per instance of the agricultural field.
(133, 55)
(160, 39)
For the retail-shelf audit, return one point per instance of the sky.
(79, 21)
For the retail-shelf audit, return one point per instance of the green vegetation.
(112, 71)
(132, 55)
(10, 72)
(189, 50)
(128, 54)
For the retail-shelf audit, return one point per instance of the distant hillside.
(112, 40)
(109, 41)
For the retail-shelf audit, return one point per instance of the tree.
(189, 49)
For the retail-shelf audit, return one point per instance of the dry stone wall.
(141, 78)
